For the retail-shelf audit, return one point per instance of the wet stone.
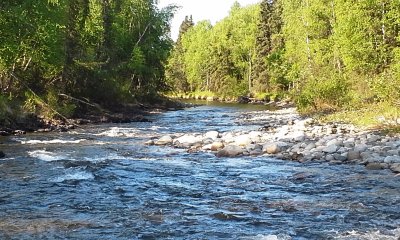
(330, 148)
(230, 151)
(392, 159)
(272, 148)
(353, 155)
(376, 166)
(225, 216)
(212, 134)
(4, 133)
(164, 140)
(339, 157)
(216, 146)
(395, 167)
(19, 132)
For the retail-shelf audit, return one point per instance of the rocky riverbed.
(286, 135)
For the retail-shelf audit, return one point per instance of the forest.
(325, 55)
(58, 55)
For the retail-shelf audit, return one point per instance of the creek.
(103, 182)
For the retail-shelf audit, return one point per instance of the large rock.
(207, 147)
(353, 155)
(330, 148)
(372, 138)
(2, 155)
(310, 146)
(5, 133)
(272, 148)
(212, 134)
(150, 142)
(230, 151)
(361, 147)
(228, 137)
(165, 140)
(207, 141)
(215, 146)
(393, 152)
(187, 140)
(282, 132)
(376, 166)
(395, 167)
(243, 140)
(329, 158)
(255, 152)
(334, 142)
(392, 159)
(316, 155)
(298, 136)
(255, 134)
(365, 155)
(340, 157)
(349, 143)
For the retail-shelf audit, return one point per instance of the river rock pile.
(286, 135)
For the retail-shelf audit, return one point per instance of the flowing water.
(102, 182)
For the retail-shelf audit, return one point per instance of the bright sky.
(213, 10)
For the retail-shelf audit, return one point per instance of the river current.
(103, 182)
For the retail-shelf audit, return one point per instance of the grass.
(196, 94)
(380, 116)
(203, 94)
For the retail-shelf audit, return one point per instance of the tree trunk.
(306, 25)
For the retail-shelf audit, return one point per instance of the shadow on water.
(102, 182)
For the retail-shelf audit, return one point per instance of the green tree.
(219, 58)
(176, 75)
(108, 51)
(269, 68)
(195, 44)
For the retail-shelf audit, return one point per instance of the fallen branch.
(95, 105)
(41, 100)
(77, 99)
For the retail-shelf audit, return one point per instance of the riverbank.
(28, 122)
(287, 135)
(267, 100)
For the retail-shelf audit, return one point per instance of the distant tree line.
(107, 52)
(325, 54)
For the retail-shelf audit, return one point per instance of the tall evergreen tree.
(269, 44)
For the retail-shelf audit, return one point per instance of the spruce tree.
(267, 42)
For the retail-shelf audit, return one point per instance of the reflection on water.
(102, 182)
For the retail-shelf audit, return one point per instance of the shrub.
(325, 94)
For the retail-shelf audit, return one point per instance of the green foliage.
(324, 94)
(385, 87)
(109, 51)
(269, 68)
(196, 66)
(327, 54)
(175, 69)
(55, 106)
(50, 106)
(4, 108)
(381, 115)
(216, 58)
